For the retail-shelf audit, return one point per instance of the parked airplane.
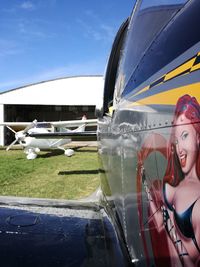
(32, 146)
(149, 138)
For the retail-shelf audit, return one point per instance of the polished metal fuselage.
(142, 113)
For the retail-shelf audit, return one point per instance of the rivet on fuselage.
(134, 260)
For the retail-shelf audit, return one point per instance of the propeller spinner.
(19, 136)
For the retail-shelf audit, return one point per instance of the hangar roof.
(78, 90)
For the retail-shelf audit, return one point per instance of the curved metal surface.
(147, 216)
(45, 236)
(136, 137)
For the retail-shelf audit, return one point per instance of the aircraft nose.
(19, 135)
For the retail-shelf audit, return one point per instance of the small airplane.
(32, 146)
(147, 213)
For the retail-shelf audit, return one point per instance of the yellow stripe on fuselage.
(143, 90)
(187, 66)
(170, 97)
(183, 69)
(195, 67)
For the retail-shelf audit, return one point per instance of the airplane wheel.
(31, 156)
(69, 152)
(37, 150)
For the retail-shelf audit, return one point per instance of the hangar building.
(60, 99)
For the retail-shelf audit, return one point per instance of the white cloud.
(108, 30)
(33, 28)
(95, 28)
(81, 68)
(99, 32)
(28, 5)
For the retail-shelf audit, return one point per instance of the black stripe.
(197, 60)
(157, 82)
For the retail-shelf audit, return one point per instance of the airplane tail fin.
(81, 128)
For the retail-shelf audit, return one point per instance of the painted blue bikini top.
(183, 220)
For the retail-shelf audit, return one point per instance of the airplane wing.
(74, 123)
(18, 124)
(70, 123)
(74, 136)
(58, 234)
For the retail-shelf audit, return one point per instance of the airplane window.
(139, 40)
(43, 125)
(147, 3)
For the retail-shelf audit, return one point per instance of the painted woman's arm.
(154, 199)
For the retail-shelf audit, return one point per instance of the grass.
(50, 175)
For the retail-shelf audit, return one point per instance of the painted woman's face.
(186, 141)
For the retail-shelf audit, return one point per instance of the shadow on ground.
(78, 172)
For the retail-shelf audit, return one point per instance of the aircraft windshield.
(43, 125)
(144, 15)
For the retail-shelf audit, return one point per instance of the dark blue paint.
(32, 240)
(177, 37)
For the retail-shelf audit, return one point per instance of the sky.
(47, 39)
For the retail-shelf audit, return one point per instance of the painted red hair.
(188, 106)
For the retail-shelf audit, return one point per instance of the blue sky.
(48, 39)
